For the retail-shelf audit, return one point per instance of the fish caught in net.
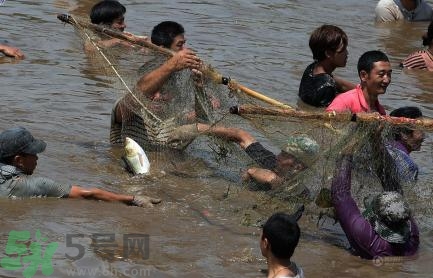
(315, 138)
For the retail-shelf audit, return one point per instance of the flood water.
(195, 232)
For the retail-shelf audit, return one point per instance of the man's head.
(389, 216)
(280, 236)
(19, 148)
(374, 70)
(411, 138)
(329, 41)
(110, 13)
(169, 34)
(287, 162)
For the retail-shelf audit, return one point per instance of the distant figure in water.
(280, 236)
(318, 86)
(18, 159)
(11, 51)
(110, 13)
(410, 10)
(422, 59)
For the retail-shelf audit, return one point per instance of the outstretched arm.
(240, 136)
(103, 195)
(11, 51)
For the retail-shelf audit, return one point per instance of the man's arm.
(240, 136)
(11, 51)
(153, 81)
(103, 195)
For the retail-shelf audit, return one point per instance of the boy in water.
(111, 13)
(279, 239)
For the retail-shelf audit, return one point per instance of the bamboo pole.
(424, 123)
(207, 70)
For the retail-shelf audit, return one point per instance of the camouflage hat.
(389, 215)
(303, 147)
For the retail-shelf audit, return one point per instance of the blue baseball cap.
(18, 140)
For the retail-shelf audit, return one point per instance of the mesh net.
(182, 93)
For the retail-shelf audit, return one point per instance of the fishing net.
(315, 138)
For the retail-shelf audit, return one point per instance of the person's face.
(340, 55)
(378, 79)
(286, 162)
(178, 43)
(119, 24)
(413, 141)
(26, 162)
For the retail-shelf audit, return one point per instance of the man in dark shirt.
(318, 86)
(18, 160)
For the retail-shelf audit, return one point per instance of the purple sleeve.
(358, 230)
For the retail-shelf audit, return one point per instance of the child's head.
(110, 13)
(280, 236)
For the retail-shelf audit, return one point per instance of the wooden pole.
(207, 70)
(424, 123)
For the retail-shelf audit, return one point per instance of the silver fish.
(135, 157)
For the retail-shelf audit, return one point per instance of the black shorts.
(262, 156)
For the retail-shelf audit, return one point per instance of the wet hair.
(410, 112)
(106, 11)
(366, 61)
(164, 33)
(428, 37)
(326, 37)
(282, 232)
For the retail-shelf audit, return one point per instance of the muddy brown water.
(196, 232)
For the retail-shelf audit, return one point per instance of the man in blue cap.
(18, 159)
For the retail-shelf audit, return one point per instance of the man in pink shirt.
(374, 70)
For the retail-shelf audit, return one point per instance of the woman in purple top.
(386, 228)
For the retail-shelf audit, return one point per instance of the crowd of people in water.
(385, 228)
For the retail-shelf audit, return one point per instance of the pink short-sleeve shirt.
(353, 101)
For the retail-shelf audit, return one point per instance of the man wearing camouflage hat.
(386, 228)
(18, 159)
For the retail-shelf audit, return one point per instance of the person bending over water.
(18, 159)
(385, 228)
